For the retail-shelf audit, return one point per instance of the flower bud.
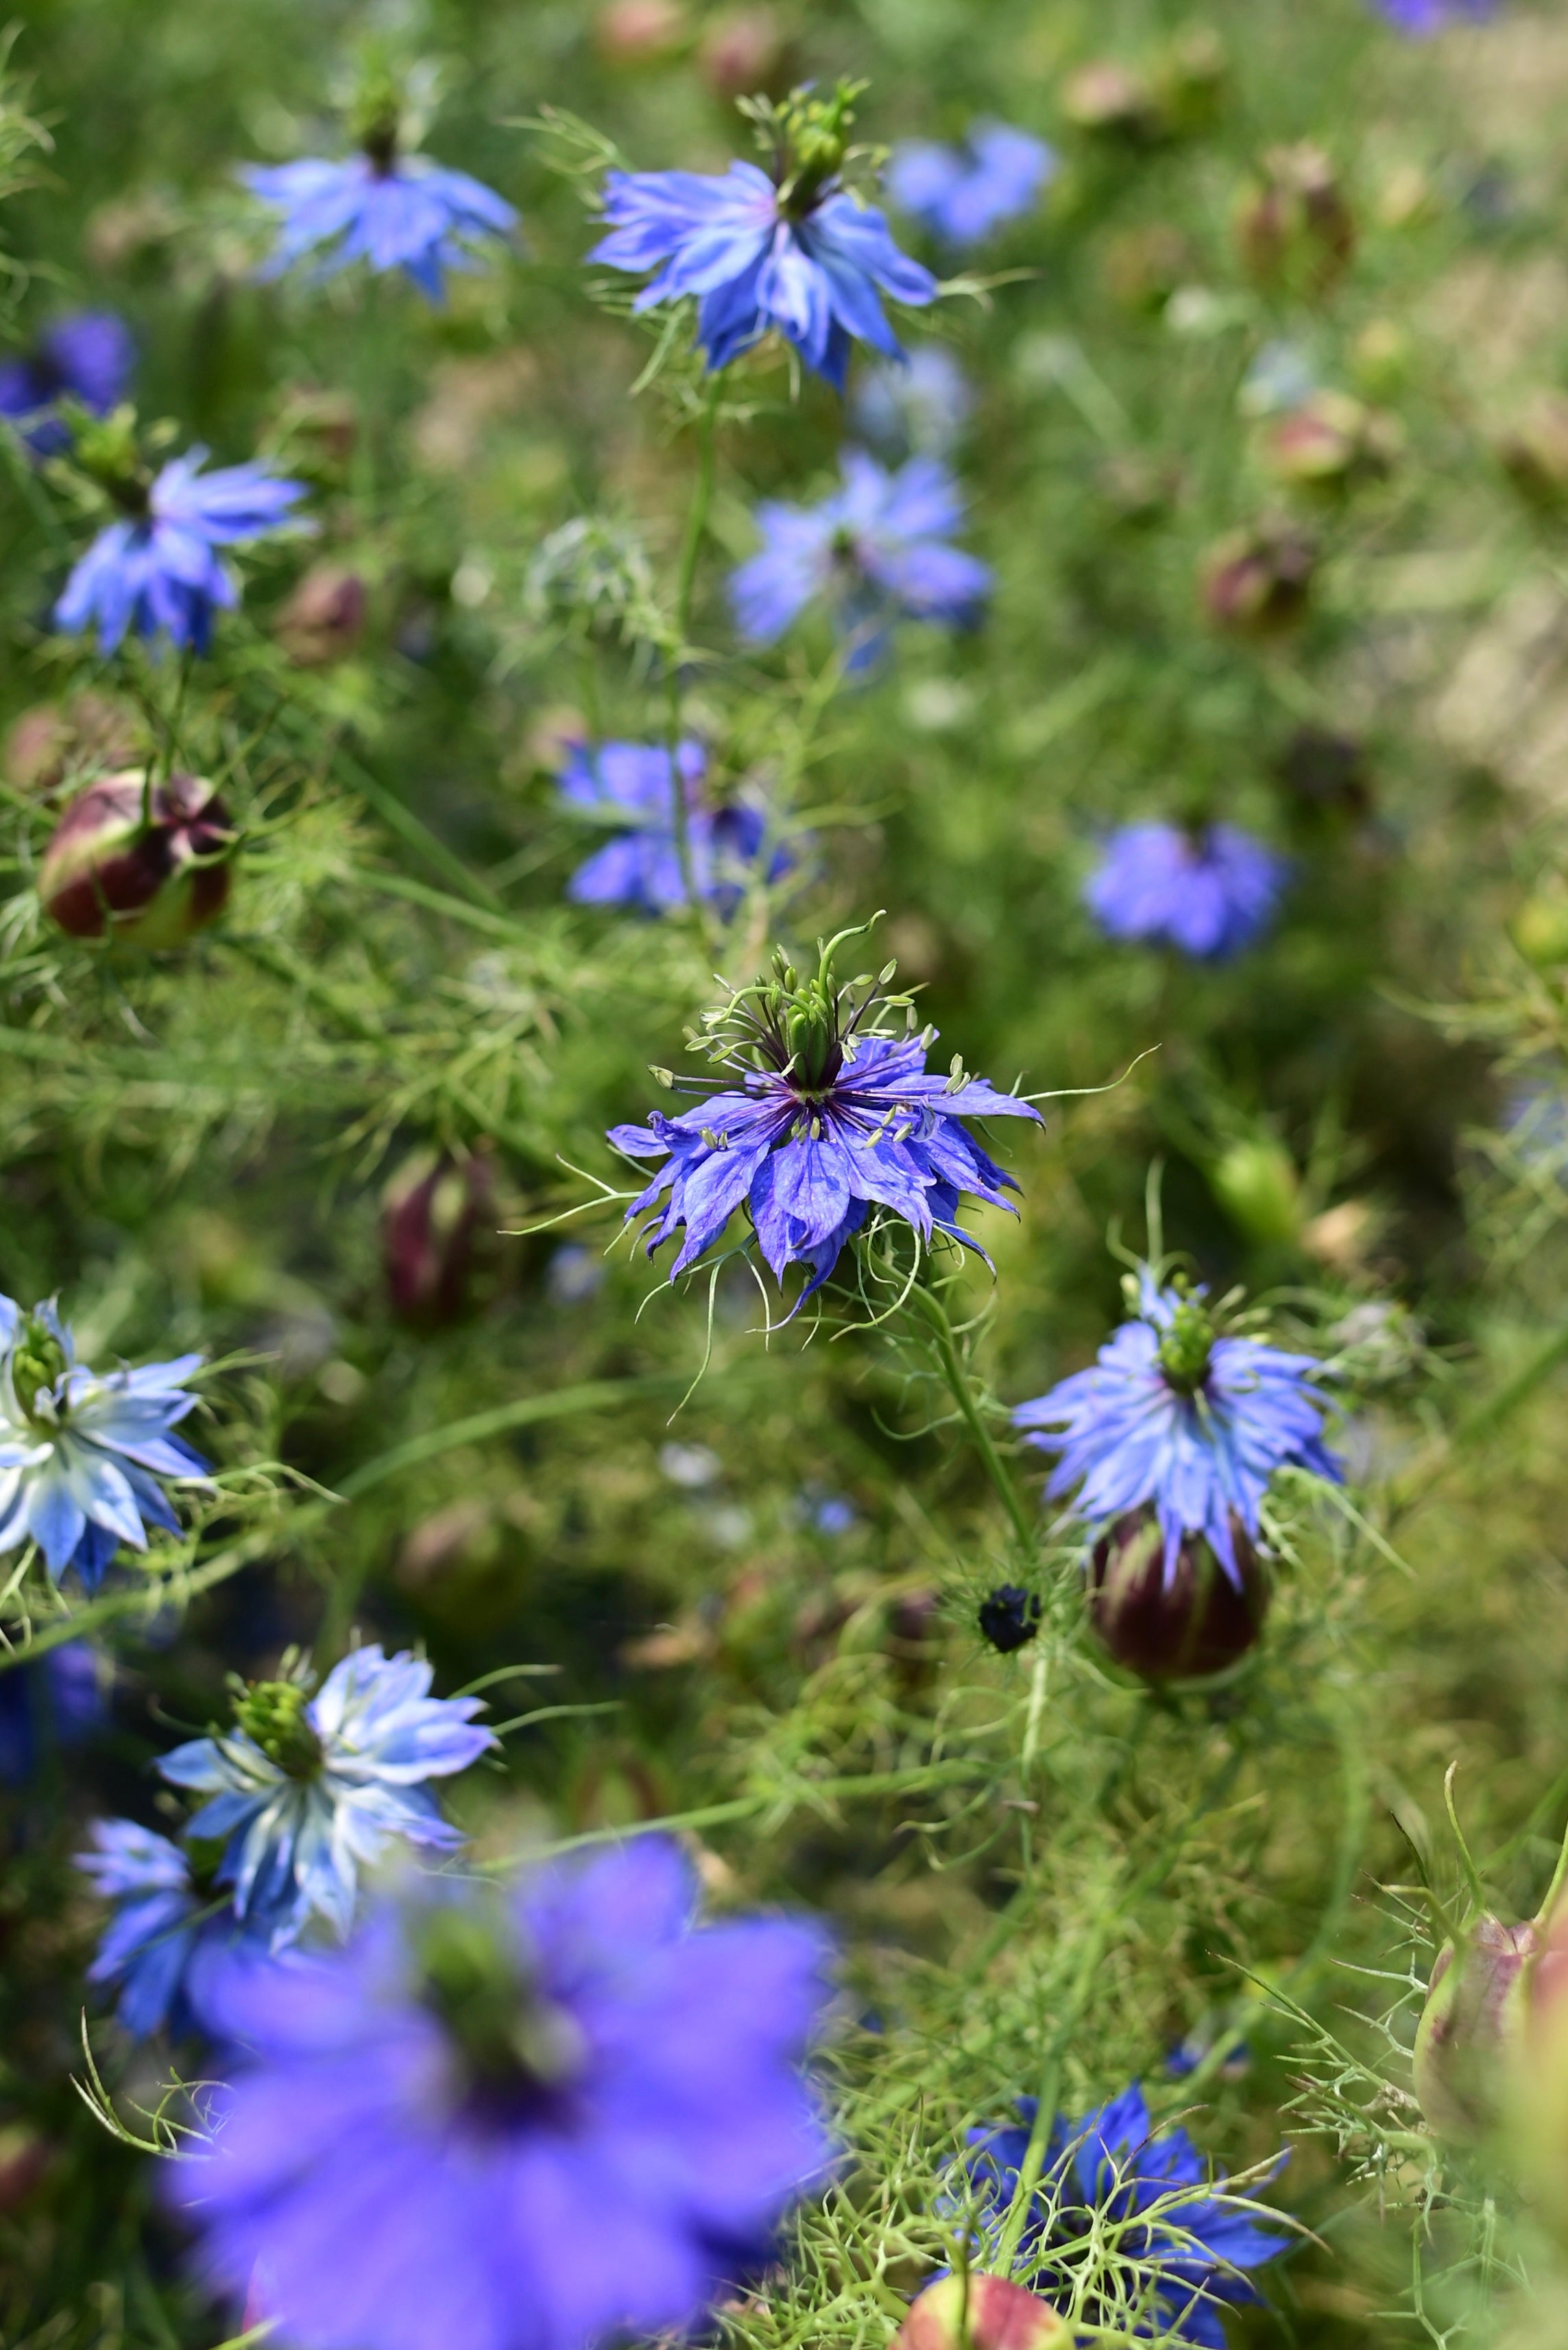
(640, 32)
(1470, 2026)
(1183, 1627)
(148, 883)
(1110, 99)
(324, 619)
(1256, 582)
(1256, 1183)
(1329, 441)
(1009, 1618)
(1293, 226)
(742, 50)
(1534, 451)
(1539, 927)
(435, 1212)
(55, 740)
(980, 2313)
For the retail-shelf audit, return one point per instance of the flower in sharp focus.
(86, 356)
(830, 1117)
(1172, 1413)
(1207, 893)
(158, 569)
(56, 1700)
(384, 207)
(878, 550)
(306, 1790)
(528, 2121)
(81, 1452)
(788, 248)
(641, 865)
(164, 1933)
(962, 194)
(1175, 2245)
(918, 406)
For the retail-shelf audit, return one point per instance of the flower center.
(379, 141)
(1186, 1346)
(37, 1360)
(807, 138)
(514, 2046)
(273, 1714)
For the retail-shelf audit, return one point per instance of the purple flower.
(829, 1118)
(88, 355)
(525, 2122)
(1171, 1413)
(159, 570)
(52, 1702)
(914, 406)
(165, 1934)
(1208, 893)
(391, 211)
(640, 867)
(962, 194)
(1172, 2246)
(878, 549)
(787, 248)
(1421, 17)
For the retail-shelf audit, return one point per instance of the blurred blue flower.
(1207, 893)
(86, 356)
(1421, 17)
(304, 1790)
(829, 1118)
(809, 265)
(55, 1701)
(1181, 2244)
(1535, 1127)
(573, 1274)
(640, 867)
(392, 212)
(159, 570)
(165, 1932)
(878, 549)
(81, 1453)
(1172, 1413)
(827, 1514)
(962, 194)
(534, 2121)
(916, 406)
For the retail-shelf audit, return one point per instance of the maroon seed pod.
(1256, 582)
(1111, 100)
(1293, 225)
(324, 619)
(146, 871)
(742, 50)
(640, 32)
(1471, 2023)
(1193, 1625)
(436, 1212)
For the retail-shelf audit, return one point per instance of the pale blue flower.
(164, 1932)
(306, 1790)
(397, 212)
(962, 194)
(81, 1452)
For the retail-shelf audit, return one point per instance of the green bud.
(37, 1360)
(273, 1714)
(1257, 1185)
(1186, 1346)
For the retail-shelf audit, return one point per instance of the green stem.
(685, 583)
(944, 1345)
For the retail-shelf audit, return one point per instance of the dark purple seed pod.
(1474, 2017)
(436, 1211)
(1184, 1627)
(145, 870)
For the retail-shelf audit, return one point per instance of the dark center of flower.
(1186, 1346)
(800, 1027)
(272, 1713)
(514, 2047)
(37, 1360)
(379, 141)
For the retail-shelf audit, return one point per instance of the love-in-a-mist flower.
(86, 356)
(641, 865)
(305, 1791)
(82, 1451)
(962, 194)
(1172, 2243)
(1207, 893)
(878, 549)
(165, 1932)
(158, 571)
(831, 1117)
(535, 2119)
(787, 249)
(384, 206)
(1173, 1413)
(1421, 17)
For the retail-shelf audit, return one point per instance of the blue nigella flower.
(878, 550)
(166, 1933)
(640, 867)
(305, 1789)
(52, 1702)
(787, 248)
(391, 211)
(962, 194)
(1179, 2245)
(1421, 17)
(1173, 1414)
(80, 1451)
(529, 2121)
(1207, 893)
(830, 1118)
(159, 569)
(88, 355)
(918, 406)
